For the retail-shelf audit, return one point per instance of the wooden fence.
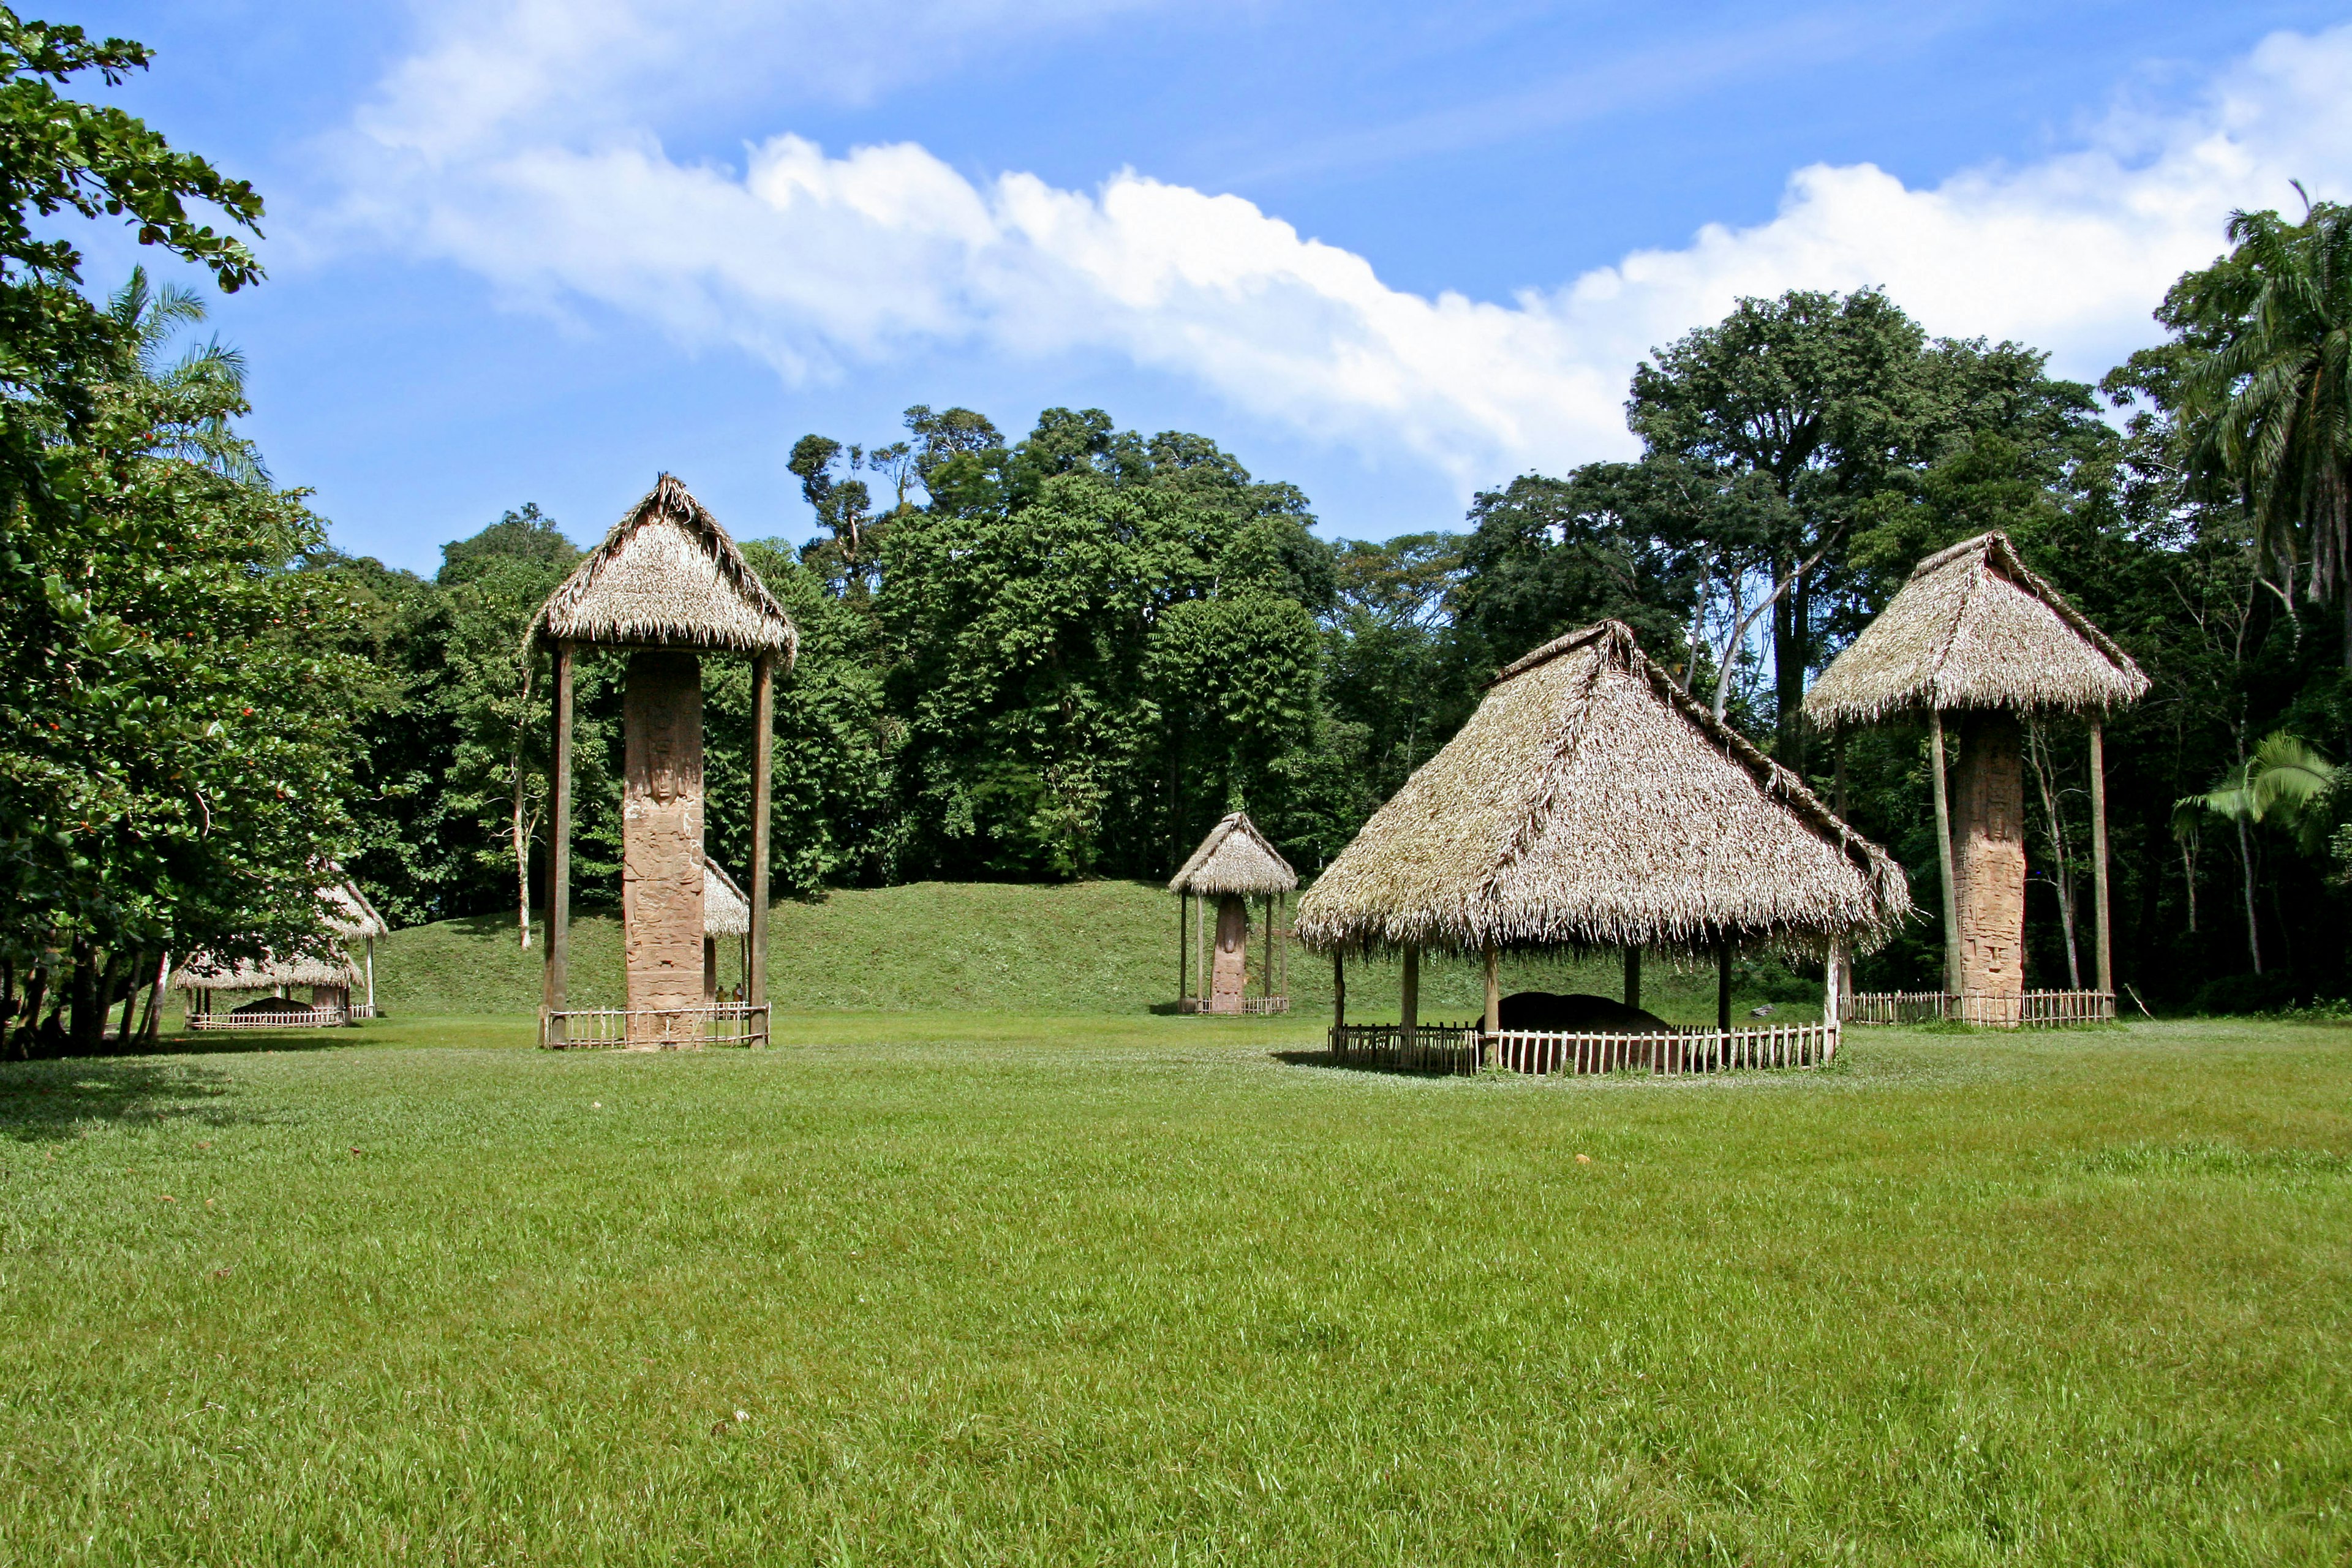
(2035, 1009)
(301, 1019)
(1436, 1047)
(649, 1028)
(1464, 1048)
(1252, 1006)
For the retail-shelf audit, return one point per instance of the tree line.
(1066, 653)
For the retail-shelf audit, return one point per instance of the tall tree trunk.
(2039, 752)
(521, 833)
(28, 1019)
(86, 1020)
(1788, 672)
(2246, 859)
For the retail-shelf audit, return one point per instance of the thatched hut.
(1974, 633)
(330, 978)
(354, 919)
(1234, 864)
(1590, 804)
(666, 586)
(727, 912)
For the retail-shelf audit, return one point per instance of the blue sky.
(539, 249)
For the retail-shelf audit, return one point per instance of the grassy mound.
(1085, 948)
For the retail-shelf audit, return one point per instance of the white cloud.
(820, 263)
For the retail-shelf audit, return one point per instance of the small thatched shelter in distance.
(1234, 863)
(725, 912)
(1973, 631)
(354, 918)
(347, 914)
(1591, 803)
(665, 586)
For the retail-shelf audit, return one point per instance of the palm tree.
(2284, 782)
(2267, 405)
(146, 319)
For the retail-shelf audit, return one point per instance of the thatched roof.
(203, 972)
(667, 576)
(1234, 859)
(349, 913)
(725, 911)
(1591, 803)
(1973, 627)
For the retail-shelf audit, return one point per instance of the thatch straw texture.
(1234, 859)
(1974, 628)
(349, 913)
(667, 576)
(1591, 803)
(203, 972)
(725, 911)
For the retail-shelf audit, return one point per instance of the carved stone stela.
(1988, 857)
(1228, 979)
(661, 842)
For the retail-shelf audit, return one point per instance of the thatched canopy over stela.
(1235, 859)
(667, 576)
(1973, 627)
(1591, 803)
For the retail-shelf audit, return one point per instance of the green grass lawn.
(988, 1290)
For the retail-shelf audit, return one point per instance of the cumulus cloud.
(821, 262)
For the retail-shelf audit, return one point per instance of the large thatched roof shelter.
(1234, 864)
(1974, 628)
(666, 586)
(1591, 803)
(1976, 634)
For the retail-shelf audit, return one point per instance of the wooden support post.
(1632, 977)
(1944, 857)
(559, 844)
(1183, 948)
(370, 976)
(763, 762)
(1339, 989)
(1723, 985)
(1494, 1023)
(1268, 977)
(2104, 936)
(1411, 998)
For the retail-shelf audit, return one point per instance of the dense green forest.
(1064, 653)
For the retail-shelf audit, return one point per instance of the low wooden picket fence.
(651, 1029)
(302, 1018)
(1669, 1054)
(2035, 1009)
(1436, 1047)
(1464, 1048)
(1252, 1006)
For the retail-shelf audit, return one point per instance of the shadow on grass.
(1323, 1058)
(53, 1100)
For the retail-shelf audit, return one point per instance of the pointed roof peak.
(667, 575)
(1237, 859)
(1974, 627)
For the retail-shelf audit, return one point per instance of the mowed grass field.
(996, 1289)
